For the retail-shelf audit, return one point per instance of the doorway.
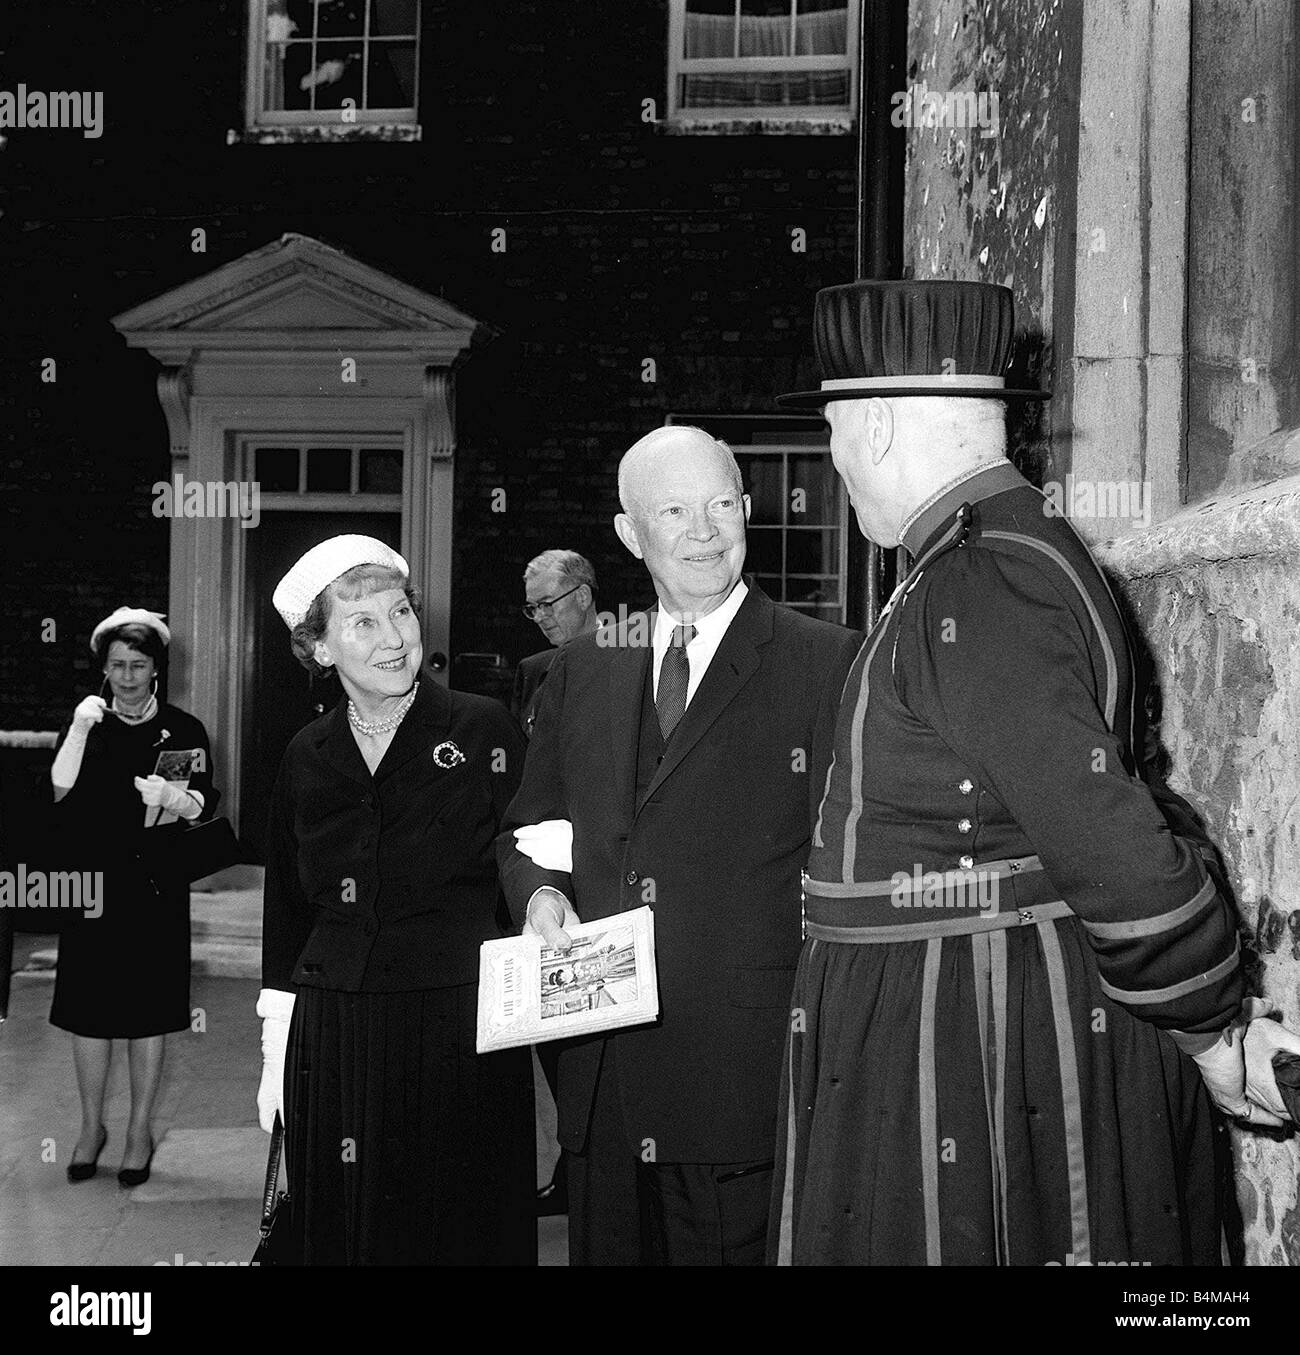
(280, 697)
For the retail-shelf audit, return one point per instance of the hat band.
(928, 382)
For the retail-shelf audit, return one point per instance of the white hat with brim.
(316, 570)
(131, 616)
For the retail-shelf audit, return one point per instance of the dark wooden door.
(279, 696)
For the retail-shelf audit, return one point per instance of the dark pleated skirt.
(404, 1146)
(936, 1113)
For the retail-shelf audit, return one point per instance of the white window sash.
(680, 65)
(256, 115)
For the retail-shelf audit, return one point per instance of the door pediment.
(296, 293)
(296, 302)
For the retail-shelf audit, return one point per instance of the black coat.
(388, 884)
(529, 677)
(126, 974)
(722, 832)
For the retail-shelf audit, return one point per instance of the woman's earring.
(154, 692)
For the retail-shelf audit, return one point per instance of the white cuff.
(275, 1003)
(548, 844)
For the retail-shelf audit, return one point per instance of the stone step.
(228, 928)
(226, 960)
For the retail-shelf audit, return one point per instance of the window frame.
(398, 123)
(318, 500)
(711, 118)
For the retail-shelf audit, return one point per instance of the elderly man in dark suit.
(560, 596)
(684, 750)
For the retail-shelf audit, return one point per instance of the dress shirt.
(709, 631)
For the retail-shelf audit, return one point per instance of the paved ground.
(203, 1198)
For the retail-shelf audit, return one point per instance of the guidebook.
(174, 764)
(529, 993)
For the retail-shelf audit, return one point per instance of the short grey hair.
(652, 440)
(567, 563)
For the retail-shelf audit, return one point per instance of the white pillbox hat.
(316, 570)
(132, 616)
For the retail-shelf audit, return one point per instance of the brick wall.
(622, 244)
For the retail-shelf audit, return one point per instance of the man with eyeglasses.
(560, 593)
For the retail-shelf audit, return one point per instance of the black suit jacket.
(388, 884)
(529, 677)
(717, 845)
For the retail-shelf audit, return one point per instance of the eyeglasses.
(532, 610)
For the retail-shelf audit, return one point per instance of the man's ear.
(749, 504)
(626, 530)
(878, 428)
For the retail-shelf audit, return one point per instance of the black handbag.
(279, 1244)
(181, 855)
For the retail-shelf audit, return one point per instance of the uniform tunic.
(963, 1092)
(126, 973)
(404, 1146)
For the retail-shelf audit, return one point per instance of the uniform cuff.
(1194, 1043)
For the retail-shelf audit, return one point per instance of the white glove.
(275, 1007)
(157, 790)
(90, 711)
(548, 844)
(1264, 1037)
(1223, 1070)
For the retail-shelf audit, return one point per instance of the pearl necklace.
(149, 710)
(388, 723)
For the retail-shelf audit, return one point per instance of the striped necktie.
(674, 678)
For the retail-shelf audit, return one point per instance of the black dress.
(404, 1146)
(126, 973)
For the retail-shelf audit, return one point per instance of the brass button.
(967, 863)
(963, 825)
(966, 786)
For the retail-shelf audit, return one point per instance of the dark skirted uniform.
(1001, 927)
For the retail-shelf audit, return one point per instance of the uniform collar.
(971, 486)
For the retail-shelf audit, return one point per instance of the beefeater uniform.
(1001, 928)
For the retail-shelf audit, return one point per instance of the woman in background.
(404, 1146)
(124, 974)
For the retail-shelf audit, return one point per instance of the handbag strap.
(272, 1171)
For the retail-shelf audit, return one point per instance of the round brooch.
(446, 755)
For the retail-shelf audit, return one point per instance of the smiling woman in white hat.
(403, 1145)
(124, 974)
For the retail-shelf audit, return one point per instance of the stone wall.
(1152, 259)
(996, 203)
(1214, 589)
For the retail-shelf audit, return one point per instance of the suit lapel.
(628, 665)
(731, 668)
(428, 721)
(339, 748)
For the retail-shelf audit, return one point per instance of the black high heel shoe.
(137, 1176)
(83, 1171)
